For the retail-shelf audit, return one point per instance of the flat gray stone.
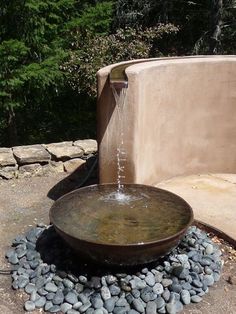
(31, 154)
(32, 170)
(64, 150)
(9, 172)
(89, 146)
(53, 167)
(6, 157)
(73, 164)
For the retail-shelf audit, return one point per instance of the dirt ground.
(25, 202)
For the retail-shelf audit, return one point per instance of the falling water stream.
(120, 101)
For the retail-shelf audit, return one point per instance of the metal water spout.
(118, 77)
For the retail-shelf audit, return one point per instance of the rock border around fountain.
(57, 281)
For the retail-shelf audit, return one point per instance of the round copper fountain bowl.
(136, 226)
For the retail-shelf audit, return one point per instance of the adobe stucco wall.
(179, 119)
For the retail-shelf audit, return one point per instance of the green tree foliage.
(99, 51)
(50, 51)
(196, 20)
(93, 19)
(32, 50)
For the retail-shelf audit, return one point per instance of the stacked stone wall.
(45, 159)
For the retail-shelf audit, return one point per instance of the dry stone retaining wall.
(44, 159)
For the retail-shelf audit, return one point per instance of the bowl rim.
(139, 244)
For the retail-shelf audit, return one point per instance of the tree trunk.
(216, 22)
(12, 127)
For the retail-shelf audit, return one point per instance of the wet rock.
(48, 305)
(83, 298)
(84, 307)
(158, 288)
(160, 302)
(54, 309)
(171, 308)
(121, 302)
(23, 280)
(105, 293)
(185, 297)
(65, 307)
(125, 287)
(39, 303)
(79, 288)
(129, 297)
(71, 298)
(137, 283)
(97, 302)
(110, 279)
(209, 249)
(196, 299)
(197, 283)
(150, 279)
(42, 292)
(135, 293)
(216, 276)
(29, 306)
(166, 295)
(68, 283)
(58, 298)
(179, 306)
(50, 296)
(166, 282)
(50, 287)
(73, 278)
(13, 259)
(138, 306)
(176, 271)
(175, 288)
(209, 280)
(30, 287)
(77, 305)
(146, 294)
(119, 310)
(109, 304)
(115, 290)
(83, 279)
(151, 308)
(162, 310)
(132, 312)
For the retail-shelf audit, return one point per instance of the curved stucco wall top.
(180, 118)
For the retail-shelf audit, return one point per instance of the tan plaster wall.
(180, 118)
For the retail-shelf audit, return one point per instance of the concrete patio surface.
(25, 202)
(212, 197)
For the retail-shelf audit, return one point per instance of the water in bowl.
(137, 215)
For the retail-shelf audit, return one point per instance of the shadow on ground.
(67, 261)
(84, 175)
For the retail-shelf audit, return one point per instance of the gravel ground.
(24, 203)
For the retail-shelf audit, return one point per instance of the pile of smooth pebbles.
(58, 281)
